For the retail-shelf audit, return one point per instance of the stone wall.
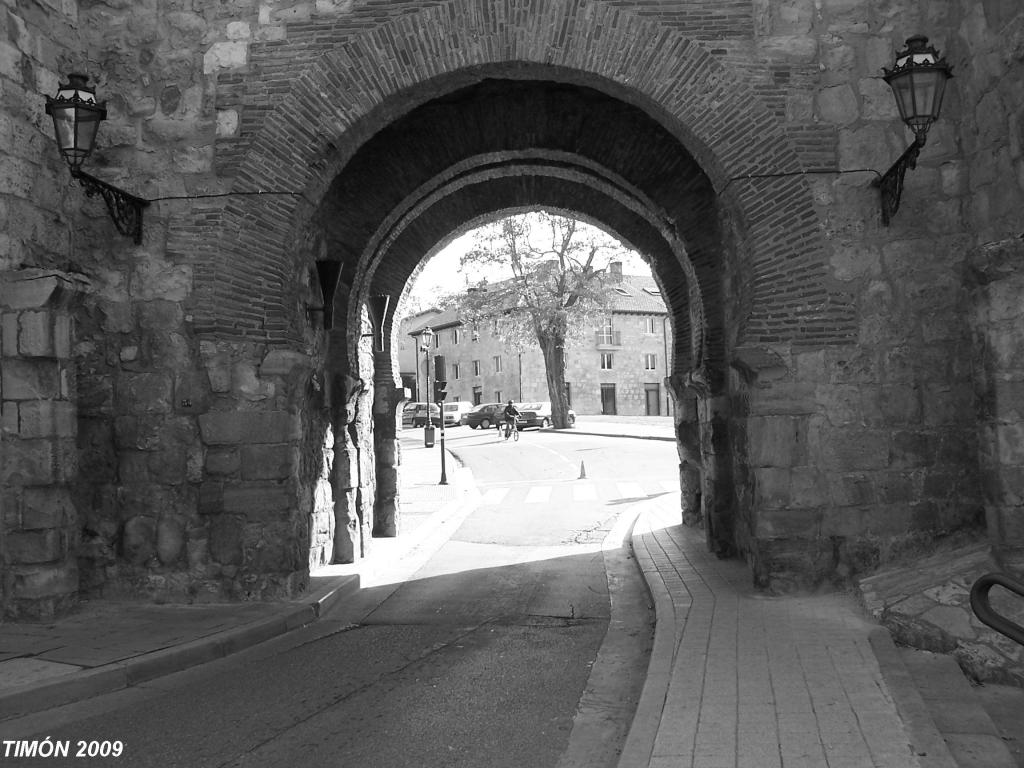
(215, 420)
(39, 527)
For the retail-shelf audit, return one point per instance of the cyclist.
(511, 413)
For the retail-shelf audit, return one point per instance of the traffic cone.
(583, 472)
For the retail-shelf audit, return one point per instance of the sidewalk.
(741, 679)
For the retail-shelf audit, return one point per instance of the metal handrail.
(984, 611)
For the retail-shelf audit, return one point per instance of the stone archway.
(743, 185)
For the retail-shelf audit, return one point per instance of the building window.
(650, 325)
(650, 362)
(606, 361)
(456, 371)
(476, 367)
(497, 396)
(621, 291)
(606, 334)
(456, 335)
(497, 363)
(437, 340)
(478, 395)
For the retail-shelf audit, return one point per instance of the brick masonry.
(826, 368)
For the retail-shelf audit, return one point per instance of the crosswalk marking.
(538, 494)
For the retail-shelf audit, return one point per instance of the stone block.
(170, 539)
(9, 334)
(47, 507)
(850, 448)
(31, 379)
(144, 392)
(9, 418)
(772, 487)
(27, 462)
(896, 487)
(851, 489)
(223, 461)
(268, 462)
(138, 544)
(133, 467)
(892, 404)
(226, 536)
(32, 547)
(787, 523)
(226, 428)
(47, 418)
(41, 581)
(808, 488)
(169, 465)
(776, 441)
(913, 449)
(35, 337)
(281, 362)
(1010, 441)
(258, 500)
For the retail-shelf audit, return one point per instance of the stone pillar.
(39, 458)
(997, 284)
(345, 479)
(386, 398)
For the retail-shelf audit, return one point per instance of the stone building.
(615, 368)
(210, 412)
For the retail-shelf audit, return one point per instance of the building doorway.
(608, 400)
(652, 398)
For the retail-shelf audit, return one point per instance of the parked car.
(453, 412)
(539, 415)
(415, 415)
(485, 415)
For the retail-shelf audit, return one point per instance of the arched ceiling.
(507, 144)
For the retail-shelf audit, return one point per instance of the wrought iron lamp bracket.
(125, 210)
(891, 183)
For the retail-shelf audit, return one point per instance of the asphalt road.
(487, 656)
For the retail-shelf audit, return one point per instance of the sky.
(444, 275)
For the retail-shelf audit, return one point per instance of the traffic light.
(440, 379)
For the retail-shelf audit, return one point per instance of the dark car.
(539, 415)
(485, 415)
(415, 415)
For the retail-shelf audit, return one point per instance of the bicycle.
(513, 429)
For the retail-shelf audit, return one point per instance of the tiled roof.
(632, 294)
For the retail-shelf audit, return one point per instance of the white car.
(539, 415)
(453, 412)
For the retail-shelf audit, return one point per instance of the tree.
(557, 287)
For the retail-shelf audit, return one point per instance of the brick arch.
(487, 190)
(341, 87)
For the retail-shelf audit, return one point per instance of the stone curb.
(639, 746)
(929, 746)
(574, 431)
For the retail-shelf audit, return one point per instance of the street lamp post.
(428, 428)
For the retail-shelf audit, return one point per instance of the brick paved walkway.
(754, 681)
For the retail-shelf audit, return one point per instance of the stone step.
(958, 711)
